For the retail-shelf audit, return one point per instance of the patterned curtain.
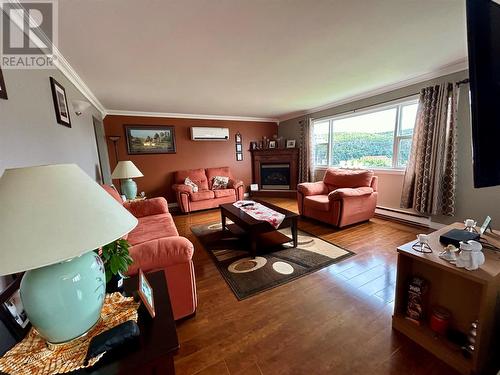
(430, 178)
(306, 173)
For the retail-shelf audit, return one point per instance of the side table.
(152, 352)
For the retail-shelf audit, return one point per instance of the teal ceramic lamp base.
(63, 301)
(129, 188)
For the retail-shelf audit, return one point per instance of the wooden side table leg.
(294, 233)
(253, 249)
(223, 220)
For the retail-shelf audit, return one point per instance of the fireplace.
(275, 171)
(275, 176)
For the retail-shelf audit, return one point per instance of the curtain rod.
(462, 82)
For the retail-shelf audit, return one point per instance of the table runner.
(260, 212)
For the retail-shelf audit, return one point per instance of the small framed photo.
(239, 156)
(239, 147)
(253, 145)
(146, 293)
(3, 89)
(272, 144)
(237, 137)
(12, 310)
(254, 187)
(290, 143)
(60, 103)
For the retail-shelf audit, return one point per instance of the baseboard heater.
(403, 216)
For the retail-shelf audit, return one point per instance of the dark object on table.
(247, 204)
(115, 284)
(417, 289)
(455, 236)
(152, 352)
(112, 338)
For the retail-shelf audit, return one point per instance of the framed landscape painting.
(150, 139)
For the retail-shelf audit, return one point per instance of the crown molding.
(60, 62)
(454, 67)
(64, 66)
(112, 112)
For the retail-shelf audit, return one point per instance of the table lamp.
(51, 219)
(126, 171)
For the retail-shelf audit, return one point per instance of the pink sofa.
(156, 245)
(205, 197)
(344, 197)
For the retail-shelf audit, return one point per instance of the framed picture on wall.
(60, 103)
(151, 139)
(3, 89)
(239, 156)
(239, 147)
(237, 137)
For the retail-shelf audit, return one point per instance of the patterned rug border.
(222, 270)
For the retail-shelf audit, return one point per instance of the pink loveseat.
(156, 245)
(344, 197)
(205, 197)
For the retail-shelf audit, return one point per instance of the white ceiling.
(261, 58)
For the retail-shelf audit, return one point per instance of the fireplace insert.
(275, 176)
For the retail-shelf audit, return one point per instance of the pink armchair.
(205, 197)
(344, 197)
(156, 245)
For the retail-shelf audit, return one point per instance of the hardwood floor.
(335, 321)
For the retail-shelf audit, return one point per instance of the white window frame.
(396, 104)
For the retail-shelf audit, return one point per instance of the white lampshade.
(52, 213)
(126, 169)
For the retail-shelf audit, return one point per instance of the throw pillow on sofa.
(220, 182)
(188, 182)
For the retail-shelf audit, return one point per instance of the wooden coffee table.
(258, 231)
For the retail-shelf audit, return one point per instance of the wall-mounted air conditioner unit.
(209, 134)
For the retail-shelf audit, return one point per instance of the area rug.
(272, 267)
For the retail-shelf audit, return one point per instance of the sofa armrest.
(160, 253)
(349, 192)
(147, 207)
(181, 188)
(234, 184)
(312, 188)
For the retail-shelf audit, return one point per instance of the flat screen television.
(483, 34)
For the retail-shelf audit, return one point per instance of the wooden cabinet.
(469, 295)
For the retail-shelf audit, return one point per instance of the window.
(374, 138)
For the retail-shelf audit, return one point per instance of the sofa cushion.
(198, 176)
(317, 202)
(347, 178)
(221, 171)
(224, 193)
(220, 182)
(153, 227)
(202, 195)
(191, 184)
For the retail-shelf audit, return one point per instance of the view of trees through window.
(378, 138)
